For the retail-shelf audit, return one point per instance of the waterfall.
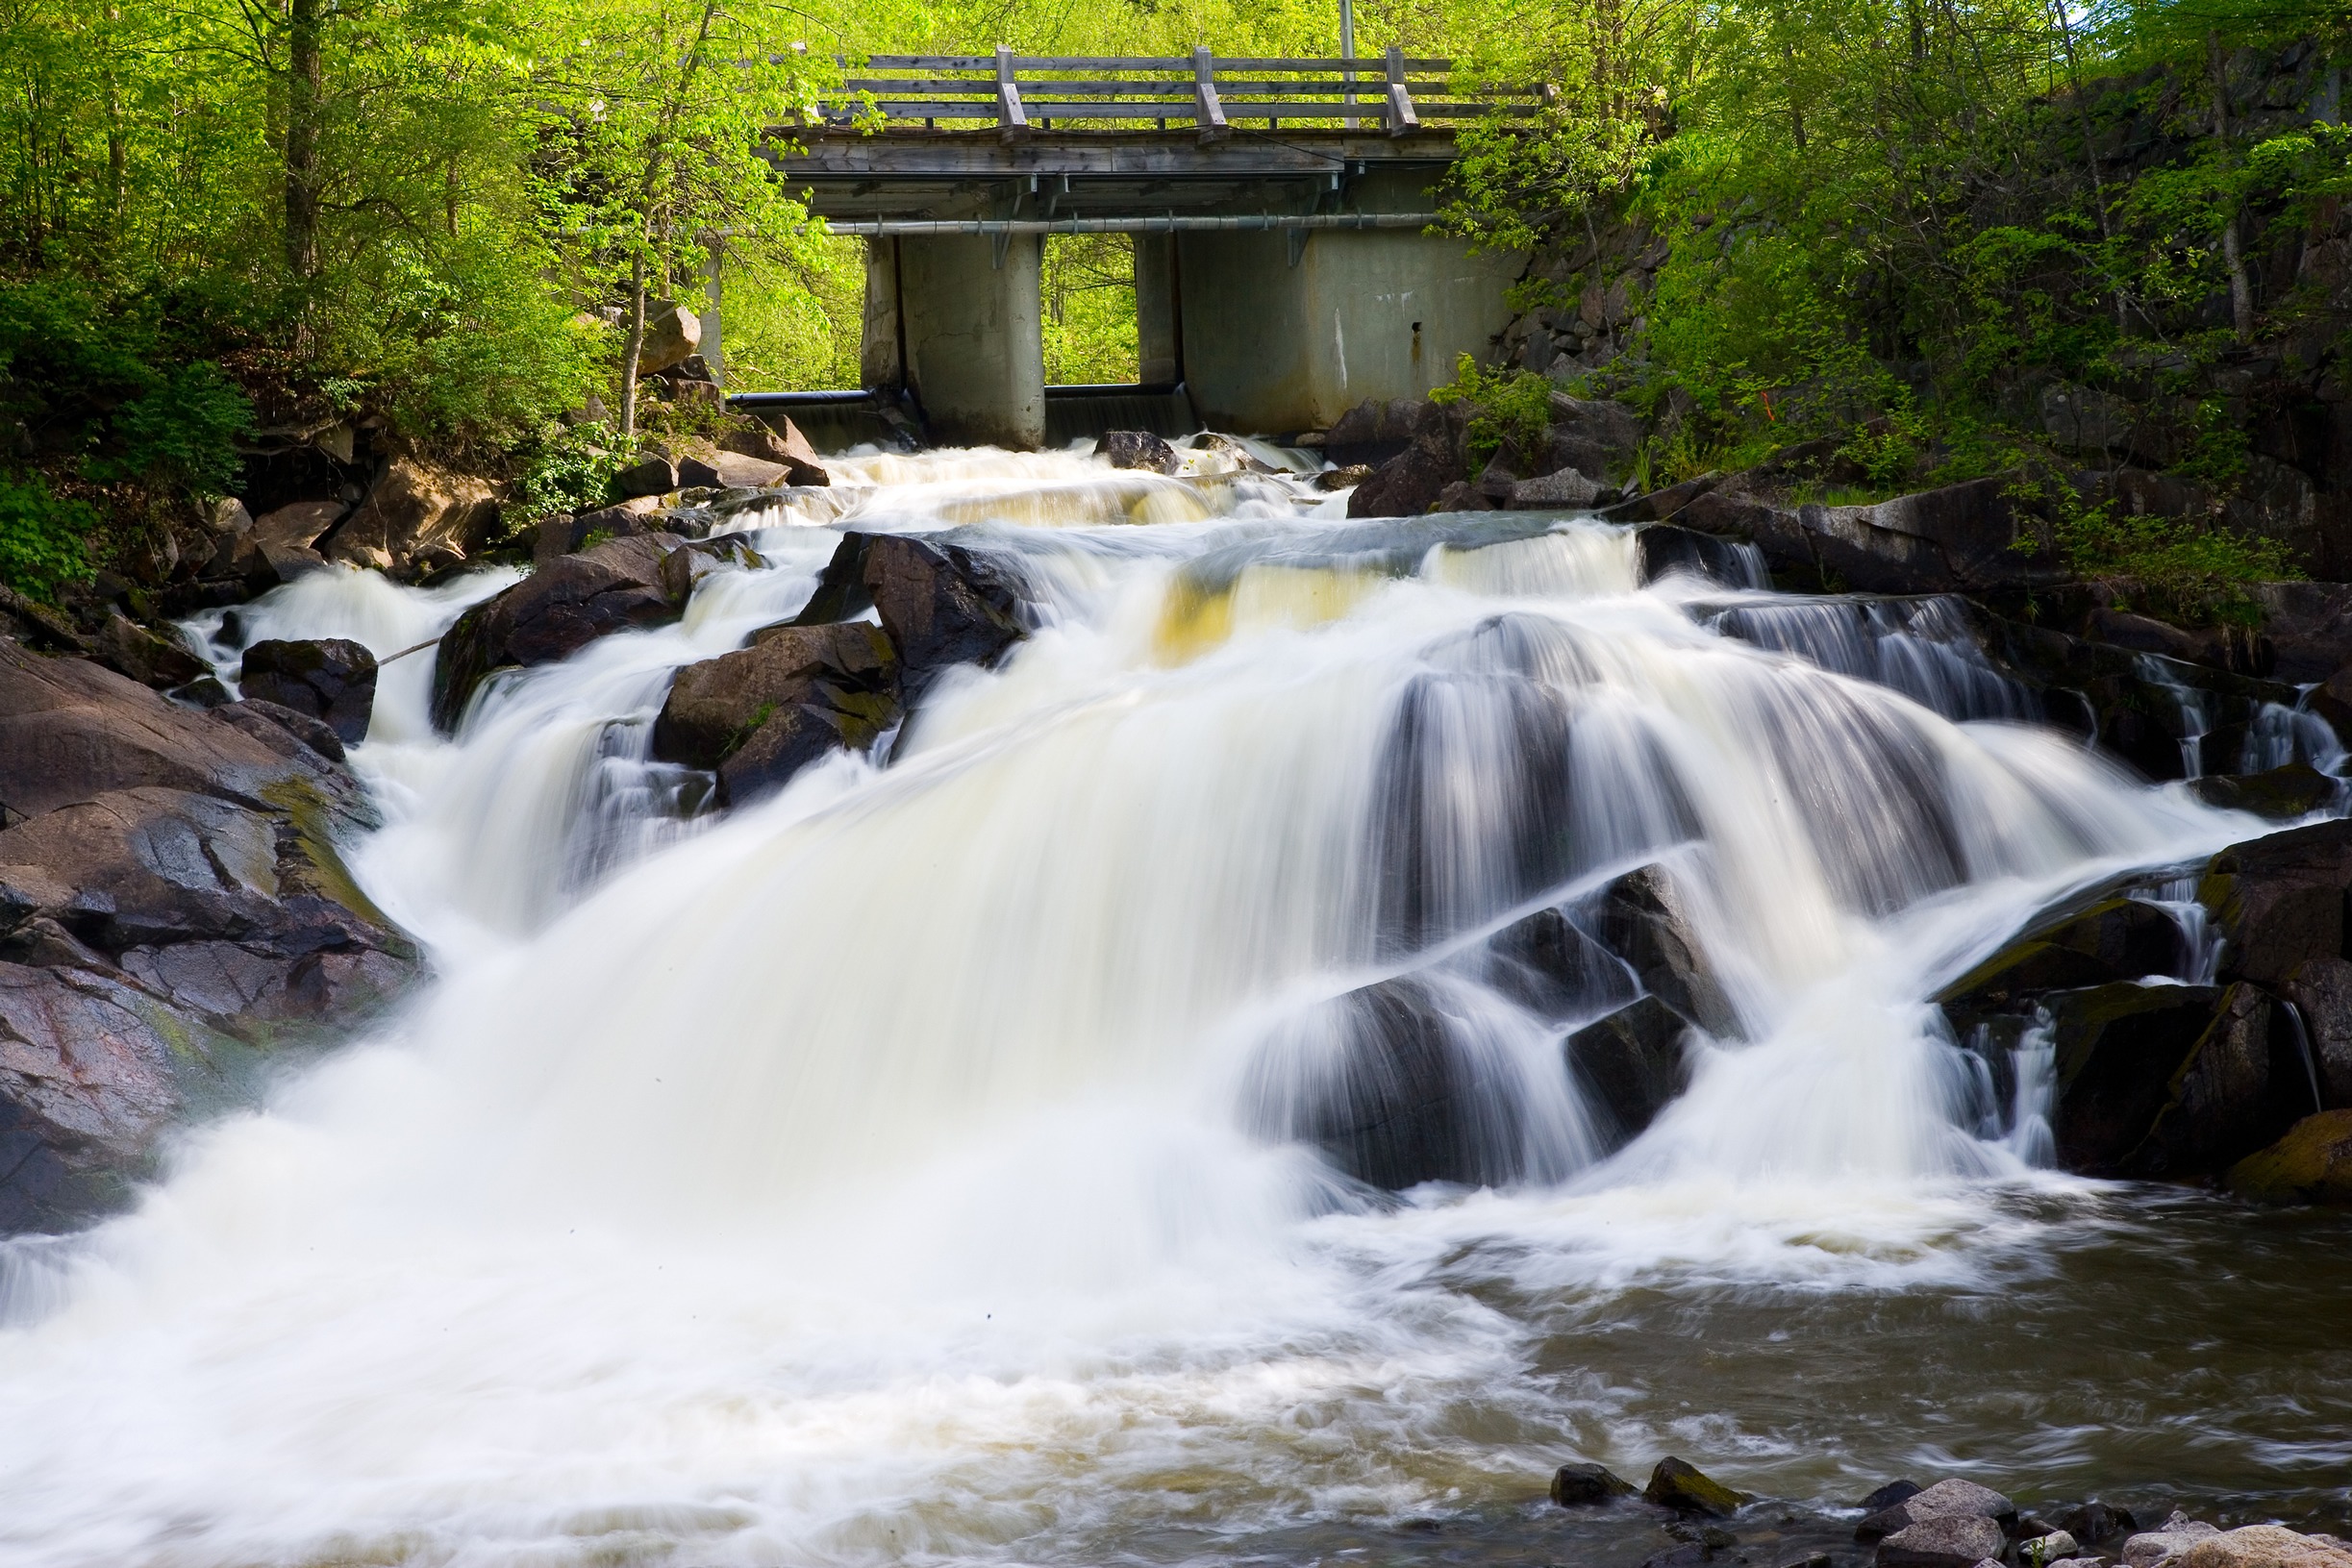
(932, 1162)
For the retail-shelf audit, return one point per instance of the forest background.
(228, 223)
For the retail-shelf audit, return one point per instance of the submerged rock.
(1678, 1484)
(758, 715)
(332, 680)
(552, 615)
(171, 902)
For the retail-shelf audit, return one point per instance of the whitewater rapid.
(883, 1172)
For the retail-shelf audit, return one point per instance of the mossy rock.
(2312, 1164)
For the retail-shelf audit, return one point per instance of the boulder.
(2116, 937)
(2178, 1534)
(1631, 1064)
(2264, 1545)
(563, 535)
(1579, 1485)
(773, 437)
(671, 337)
(1889, 1495)
(1136, 449)
(2279, 901)
(2312, 1164)
(758, 715)
(2093, 1523)
(711, 468)
(2283, 794)
(1687, 1490)
(332, 680)
(1665, 548)
(1593, 436)
(942, 605)
(1641, 918)
(1952, 1498)
(278, 547)
(1414, 481)
(1945, 1541)
(651, 475)
(171, 898)
(683, 568)
(1564, 489)
(1342, 478)
(416, 518)
(127, 648)
(551, 614)
(2307, 627)
(1373, 432)
(267, 722)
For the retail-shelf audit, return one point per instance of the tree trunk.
(305, 81)
(633, 349)
(2241, 286)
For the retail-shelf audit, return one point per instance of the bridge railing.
(1394, 91)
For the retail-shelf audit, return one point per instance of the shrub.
(43, 538)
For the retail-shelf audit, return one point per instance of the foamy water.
(881, 1173)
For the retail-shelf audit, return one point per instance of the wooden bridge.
(1280, 209)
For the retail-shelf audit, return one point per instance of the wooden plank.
(945, 87)
(1148, 62)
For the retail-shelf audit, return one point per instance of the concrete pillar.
(973, 338)
(1271, 347)
(1158, 345)
(881, 364)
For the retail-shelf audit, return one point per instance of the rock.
(2117, 938)
(651, 475)
(1564, 489)
(418, 517)
(265, 721)
(561, 536)
(758, 715)
(1665, 548)
(1641, 918)
(127, 648)
(2307, 627)
(333, 680)
(2321, 991)
(204, 691)
(682, 570)
(1953, 1498)
(1414, 481)
(2179, 1533)
(551, 614)
(941, 604)
(2280, 900)
(1342, 478)
(714, 469)
(2283, 794)
(1631, 1064)
(1945, 1541)
(2312, 1164)
(1577, 1486)
(2041, 1551)
(774, 437)
(1687, 1490)
(1661, 505)
(2093, 1523)
(277, 548)
(2263, 1546)
(2154, 1081)
(1372, 431)
(1889, 1495)
(1136, 449)
(169, 885)
(671, 337)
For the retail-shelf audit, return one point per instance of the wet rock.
(2278, 900)
(1945, 1541)
(2119, 1047)
(1578, 1485)
(333, 680)
(416, 518)
(1593, 436)
(2263, 1546)
(1953, 1498)
(942, 605)
(1889, 1495)
(2094, 1523)
(125, 647)
(758, 715)
(1640, 917)
(2177, 1535)
(2283, 794)
(265, 721)
(553, 614)
(2312, 1164)
(1631, 1064)
(1684, 1488)
(774, 438)
(1136, 449)
(683, 568)
(720, 470)
(205, 692)
(1663, 505)
(2117, 938)
(1665, 548)
(1410, 484)
(1342, 478)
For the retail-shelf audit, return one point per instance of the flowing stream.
(900, 1169)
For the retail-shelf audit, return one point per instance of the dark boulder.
(1631, 1064)
(2093, 1523)
(268, 722)
(171, 902)
(1889, 1495)
(1373, 432)
(1953, 1498)
(2281, 794)
(683, 568)
(333, 680)
(1684, 1488)
(553, 614)
(1408, 484)
(128, 648)
(2279, 901)
(2117, 937)
(760, 714)
(1595, 437)
(1665, 548)
(1579, 1485)
(1640, 917)
(942, 605)
(1136, 449)
(2312, 1164)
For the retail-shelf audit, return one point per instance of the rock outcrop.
(552, 615)
(333, 680)
(416, 518)
(171, 904)
(758, 715)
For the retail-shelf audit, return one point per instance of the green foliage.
(43, 539)
(1509, 408)
(1090, 308)
(2176, 568)
(568, 469)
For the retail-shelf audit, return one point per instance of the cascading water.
(937, 1160)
